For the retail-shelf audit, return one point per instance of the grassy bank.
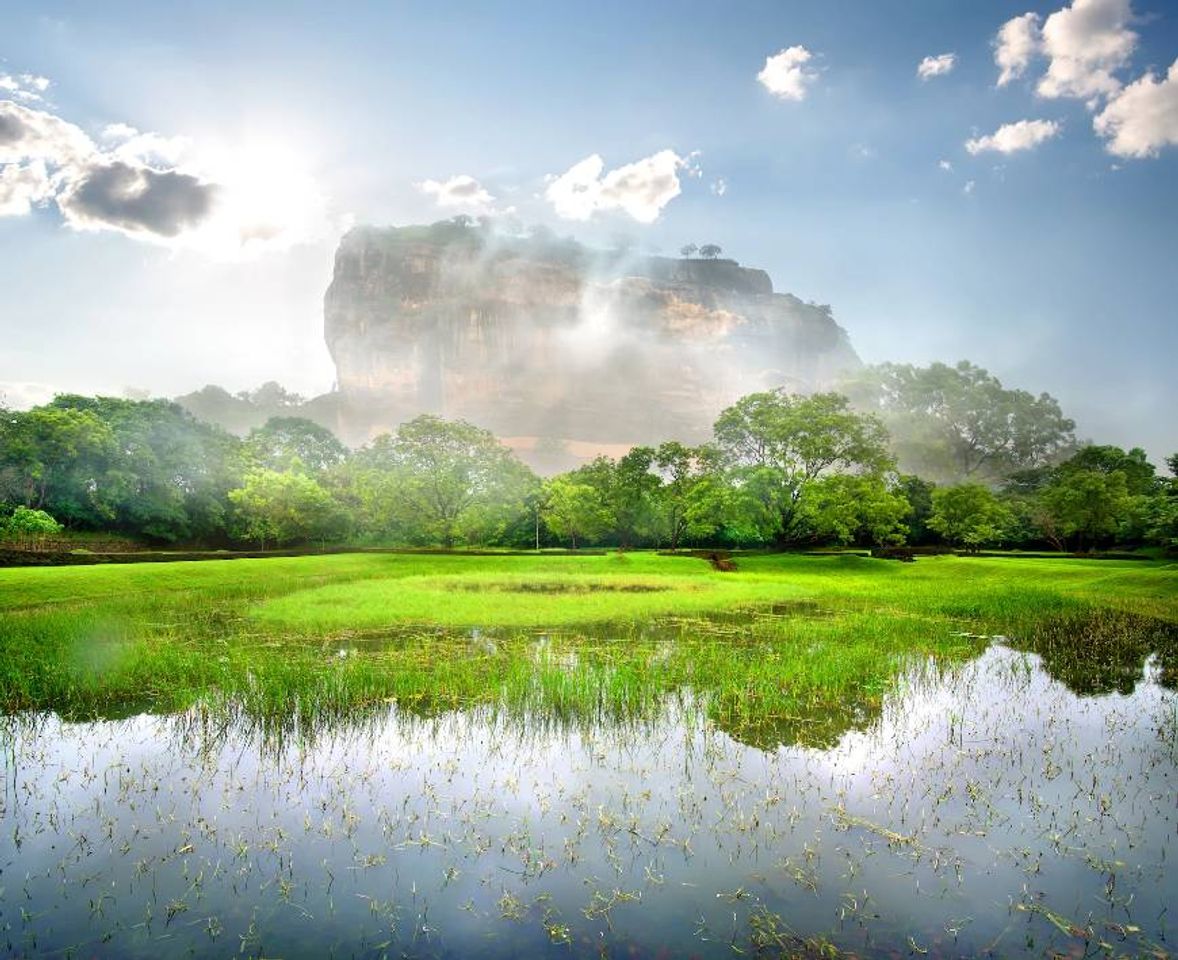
(787, 649)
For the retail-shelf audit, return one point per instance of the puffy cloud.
(1013, 137)
(640, 189)
(936, 66)
(26, 87)
(22, 185)
(1017, 42)
(1086, 43)
(458, 191)
(27, 134)
(246, 199)
(719, 186)
(1143, 117)
(113, 194)
(945, 165)
(785, 74)
(127, 143)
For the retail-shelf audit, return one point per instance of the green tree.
(295, 443)
(441, 481)
(50, 455)
(957, 424)
(778, 446)
(574, 510)
(1084, 507)
(693, 498)
(919, 494)
(281, 508)
(29, 527)
(858, 508)
(710, 251)
(166, 474)
(968, 515)
(688, 250)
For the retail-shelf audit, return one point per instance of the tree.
(692, 500)
(1140, 475)
(777, 446)
(165, 474)
(710, 251)
(574, 510)
(295, 443)
(957, 424)
(281, 508)
(442, 481)
(968, 515)
(919, 494)
(29, 527)
(49, 455)
(1084, 506)
(863, 508)
(688, 250)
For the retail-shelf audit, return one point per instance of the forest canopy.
(935, 455)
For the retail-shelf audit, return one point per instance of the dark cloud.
(12, 129)
(136, 199)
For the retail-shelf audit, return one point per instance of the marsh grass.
(792, 649)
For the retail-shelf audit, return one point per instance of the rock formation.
(552, 345)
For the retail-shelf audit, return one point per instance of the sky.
(988, 181)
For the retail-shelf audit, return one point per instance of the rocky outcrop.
(552, 345)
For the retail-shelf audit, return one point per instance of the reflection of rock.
(545, 341)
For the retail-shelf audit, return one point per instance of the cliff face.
(545, 342)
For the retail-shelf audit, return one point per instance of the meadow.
(786, 640)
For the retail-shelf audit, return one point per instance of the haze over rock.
(557, 347)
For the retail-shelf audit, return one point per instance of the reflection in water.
(984, 810)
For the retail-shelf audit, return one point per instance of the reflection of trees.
(1095, 652)
(819, 724)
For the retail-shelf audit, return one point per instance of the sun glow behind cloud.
(227, 201)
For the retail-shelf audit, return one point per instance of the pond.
(983, 808)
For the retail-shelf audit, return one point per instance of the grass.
(788, 649)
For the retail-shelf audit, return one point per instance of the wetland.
(625, 755)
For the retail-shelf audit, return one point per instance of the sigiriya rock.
(552, 345)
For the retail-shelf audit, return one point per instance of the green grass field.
(788, 647)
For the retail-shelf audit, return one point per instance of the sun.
(268, 198)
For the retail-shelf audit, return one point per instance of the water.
(986, 811)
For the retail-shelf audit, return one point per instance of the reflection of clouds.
(983, 765)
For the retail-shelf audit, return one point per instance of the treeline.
(906, 455)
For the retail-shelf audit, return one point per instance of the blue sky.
(1050, 261)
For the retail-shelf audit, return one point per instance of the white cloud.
(640, 189)
(26, 87)
(458, 191)
(969, 187)
(1086, 43)
(1018, 40)
(1143, 117)
(1013, 137)
(936, 66)
(22, 186)
(128, 144)
(719, 186)
(945, 165)
(785, 74)
(248, 198)
(27, 134)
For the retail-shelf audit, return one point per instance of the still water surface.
(986, 811)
